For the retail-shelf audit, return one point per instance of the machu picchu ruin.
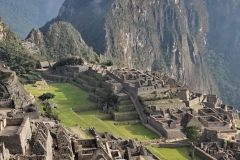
(126, 96)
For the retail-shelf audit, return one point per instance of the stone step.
(119, 116)
(122, 96)
(102, 92)
(125, 102)
(95, 98)
(125, 108)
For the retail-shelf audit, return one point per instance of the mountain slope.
(147, 35)
(88, 17)
(13, 54)
(195, 41)
(59, 40)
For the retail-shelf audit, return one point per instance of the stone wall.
(4, 152)
(94, 83)
(87, 88)
(170, 145)
(158, 126)
(94, 98)
(6, 103)
(72, 71)
(123, 97)
(125, 108)
(25, 134)
(125, 116)
(17, 143)
(167, 133)
(32, 115)
(84, 109)
(78, 81)
(145, 90)
(101, 93)
(14, 121)
(169, 105)
(55, 78)
(13, 143)
(127, 123)
(209, 104)
(32, 157)
(192, 102)
(203, 154)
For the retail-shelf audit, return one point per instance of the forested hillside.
(13, 54)
(60, 40)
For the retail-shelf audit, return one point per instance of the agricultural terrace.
(69, 96)
(180, 153)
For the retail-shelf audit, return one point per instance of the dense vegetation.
(89, 19)
(23, 15)
(46, 96)
(69, 61)
(13, 54)
(60, 40)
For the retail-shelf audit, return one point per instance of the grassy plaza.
(180, 153)
(69, 96)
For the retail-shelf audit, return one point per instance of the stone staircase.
(125, 110)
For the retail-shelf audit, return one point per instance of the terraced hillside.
(70, 96)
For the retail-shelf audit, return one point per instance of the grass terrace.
(69, 96)
(31, 77)
(181, 153)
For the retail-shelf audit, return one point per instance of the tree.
(69, 61)
(193, 134)
(108, 63)
(147, 111)
(50, 113)
(46, 96)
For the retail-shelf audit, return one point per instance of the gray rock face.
(174, 36)
(147, 35)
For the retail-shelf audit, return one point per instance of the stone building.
(16, 134)
(44, 65)
(4, 152)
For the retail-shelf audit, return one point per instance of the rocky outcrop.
(12, 91)
(57, 41)
(2, 30)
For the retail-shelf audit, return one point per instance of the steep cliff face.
(195, 41)
(59, 40)
(165, 35)
(223, 40)
(88, 17)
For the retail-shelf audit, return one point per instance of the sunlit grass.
(180, 153)
(69, 96)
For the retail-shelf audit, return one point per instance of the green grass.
(238, 123)
(147, 95)
(32, 76)
(181, 153)
(68, 96)
(90, 118)
(121, 113)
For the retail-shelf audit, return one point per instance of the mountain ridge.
(182, 37)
